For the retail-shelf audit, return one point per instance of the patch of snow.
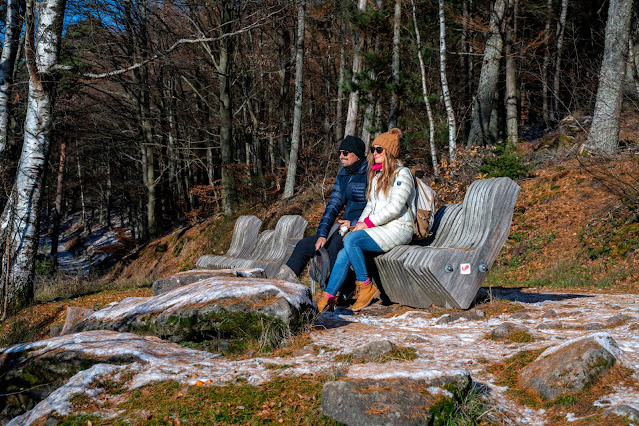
(417, 370)
(435, 390)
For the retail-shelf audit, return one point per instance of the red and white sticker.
(464, 268)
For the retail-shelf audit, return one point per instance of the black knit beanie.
(354, 145)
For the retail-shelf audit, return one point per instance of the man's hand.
(360, 226)
(320, 243)
(345, 222)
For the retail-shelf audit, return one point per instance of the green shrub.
(505, 162)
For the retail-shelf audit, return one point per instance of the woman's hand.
(360, 226)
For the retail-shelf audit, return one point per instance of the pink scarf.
(377, 167)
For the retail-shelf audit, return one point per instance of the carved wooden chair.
(449, 267)
(272, 248)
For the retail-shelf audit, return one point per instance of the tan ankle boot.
(324, 304)
(366, 295)
(358, 289)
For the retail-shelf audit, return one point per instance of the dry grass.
(283, 400)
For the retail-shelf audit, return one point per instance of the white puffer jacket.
(389, 214)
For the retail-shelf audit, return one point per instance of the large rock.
(49, 372)
(219, 307)
(572, 366)
(373, 350)
(164, 285)
(30, 372)
(506, 329)
(392, 401)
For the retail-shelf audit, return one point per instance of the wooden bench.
(448, 268)
(271, 249)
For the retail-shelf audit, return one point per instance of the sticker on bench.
(464, 268)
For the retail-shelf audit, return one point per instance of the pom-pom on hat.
(390, 141)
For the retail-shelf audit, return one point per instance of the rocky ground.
(446, 343)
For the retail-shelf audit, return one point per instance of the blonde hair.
(385, 175)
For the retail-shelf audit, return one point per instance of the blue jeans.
(352, 254)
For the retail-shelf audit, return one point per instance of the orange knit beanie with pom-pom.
(390, 141)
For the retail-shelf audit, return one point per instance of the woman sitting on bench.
(384, 223)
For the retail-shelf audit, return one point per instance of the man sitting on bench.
(349, 192)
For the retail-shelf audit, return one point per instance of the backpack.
(424, 204)
(320, 268)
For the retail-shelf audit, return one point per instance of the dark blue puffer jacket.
(349, 191)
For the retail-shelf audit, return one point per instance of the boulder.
(618, 320)
(471, 315)
(164, 285)
(38, 379)
(572, 366)
(392, 401)
(505, 329)
(30, 372)
(626, 412)
(373, 351)
(213, 308)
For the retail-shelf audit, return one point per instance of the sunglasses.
(344, 152)
(379, 149)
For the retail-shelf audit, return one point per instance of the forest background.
(146, 115)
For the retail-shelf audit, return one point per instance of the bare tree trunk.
(13, 24)
(339, 128)
(57, 206)
(511, 79)
(394, 105)
(452, 127)
(369, 124)
(289, 187)
(479, 131)
(285, 78)
(84, 218)
(466, 63)
(561, 25)
(21, 216)
(148, 168)
(422, 68)
(544, 69)
(353, 98)
(109, 187)
(604, 132)
(226, 125)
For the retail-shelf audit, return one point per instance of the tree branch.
(165, 52)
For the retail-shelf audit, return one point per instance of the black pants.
(305, 250)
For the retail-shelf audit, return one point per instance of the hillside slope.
(575, 222)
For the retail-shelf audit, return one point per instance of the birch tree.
(604, 132)
(13, 26)
(546, 64)
(21, 216)
(394, 105)
(297, 114)
(466, 61)
(429, 113)
(559, 34)
(511, 78)
(353, 98)
(482, 106)
(452, 127)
